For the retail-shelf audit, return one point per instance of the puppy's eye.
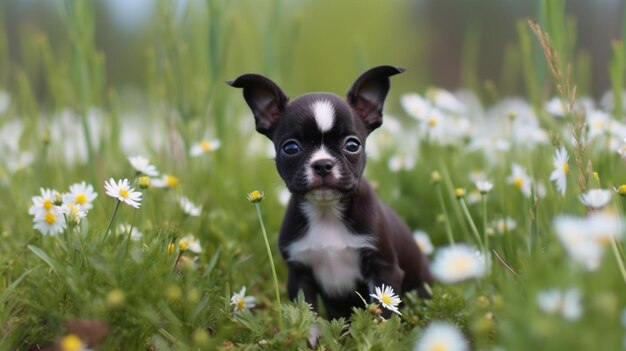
(291, 148)
(352, 145)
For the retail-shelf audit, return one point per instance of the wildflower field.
(140, 218)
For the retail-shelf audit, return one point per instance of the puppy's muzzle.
(323, 167)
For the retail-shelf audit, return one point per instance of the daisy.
(446, 101)
(561, 169)
(596, 198)
(579, 243)
(72, 342)
(43, 203)
(423, 242)
(504, 225)
(555, 107)
(387, 297)
(484, 186)
(564, 303)
(51, 222)
(123, 192)
(457, 263)
(520, 179)
(193, 244)
(604, 226)
(166, 181)
(398, 163)
(241, 302)
(441, 336)
(415, 106)
(143, 166)
(81, 194)
(126, 229)
(188, 207)
(204, 146)
(73, 212)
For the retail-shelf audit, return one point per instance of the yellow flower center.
(240, 305)
(386, 299)
(518, 182)
(47, 204)
(183, 245)
(622, 189)
(432, 121)
(171, 181)
(460, 264)
(255, 196)
(170, 248)
(50, 218)
(144, 181)
(124, 192)
(603, 240)
(206, 145)
(439, 346)
(81, 199)
(565, 168)
(71, 343)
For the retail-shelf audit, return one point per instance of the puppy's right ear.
(266, 100)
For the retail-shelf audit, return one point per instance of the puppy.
(337, 237)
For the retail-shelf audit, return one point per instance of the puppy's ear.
(266, 100)
(368, 93)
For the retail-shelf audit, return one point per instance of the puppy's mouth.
(323, 195)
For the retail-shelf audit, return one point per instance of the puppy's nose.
(323, 167)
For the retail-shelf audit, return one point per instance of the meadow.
(126, 219)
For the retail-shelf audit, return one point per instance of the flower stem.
(269, 254)
(484, 198)
(445, 214)
(472, 225)
(106, 233)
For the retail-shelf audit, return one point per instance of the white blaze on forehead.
(324, 114)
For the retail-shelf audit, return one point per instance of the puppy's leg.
(300, 278)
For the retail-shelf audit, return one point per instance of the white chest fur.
(330, 249)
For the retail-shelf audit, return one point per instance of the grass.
(157, 293)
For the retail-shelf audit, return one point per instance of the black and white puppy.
(337, 237)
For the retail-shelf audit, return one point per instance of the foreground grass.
(550, 279)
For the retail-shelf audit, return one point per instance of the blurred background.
(311, 45)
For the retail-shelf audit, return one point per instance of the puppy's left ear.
(367, 94)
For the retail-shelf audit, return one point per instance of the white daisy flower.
(441, 336)
(241, 302)
(596, 198)
(125, 229)
(457, 263)
(81, 194)
(193, 244)
(398, 163)
(387, 297)
(561, 169)
(504, 225)
(142, 165)
(564, 303)
(520, 179)
(73, 212)
(188, 207)
(604, 226)
(204, 146)
(579, 242)
(415, 106)
(123, 192)
(166, 181)
(423, 242)
(555, 107)
(446, 101)
(43, 203)
(51, 222)
(484, 186)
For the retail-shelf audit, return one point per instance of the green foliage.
(153, 294)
